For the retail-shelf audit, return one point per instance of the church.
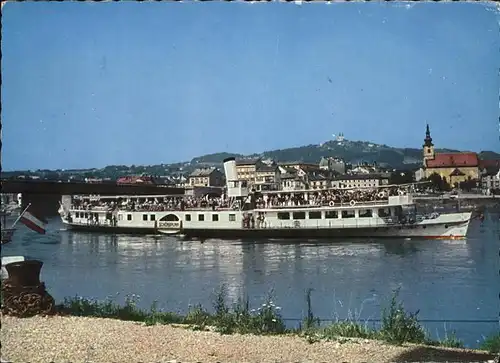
(454, 168)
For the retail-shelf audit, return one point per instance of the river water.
(445, 280)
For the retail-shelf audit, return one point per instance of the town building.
(290, 182)
(490, 181)
(490, 175)
(333, 164)
(360, 181)
(208, 177)
(453, 168)
(246, 169)
(319, 181)
(267, 177)
(299, 165)
(258, 174)
(364, 168)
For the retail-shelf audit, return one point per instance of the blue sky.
(94, 84)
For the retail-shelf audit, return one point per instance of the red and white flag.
(32, 222)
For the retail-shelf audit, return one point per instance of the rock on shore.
(77, 339)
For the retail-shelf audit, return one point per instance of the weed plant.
(398, 325)
(492, 343)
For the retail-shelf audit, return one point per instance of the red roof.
(451, 160)
(134, 180)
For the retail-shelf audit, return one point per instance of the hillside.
(351, 151)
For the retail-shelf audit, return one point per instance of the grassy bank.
(397, 324)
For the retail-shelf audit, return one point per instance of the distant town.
(317, 169)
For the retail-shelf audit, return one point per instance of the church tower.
(428, 146)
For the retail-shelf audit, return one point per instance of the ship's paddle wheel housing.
(169, 224)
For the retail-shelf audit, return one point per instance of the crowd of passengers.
(328, 197)
(317, 198)
(154, 204)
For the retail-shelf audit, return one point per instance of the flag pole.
(20, 215)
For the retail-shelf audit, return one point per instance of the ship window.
(152, 217)
(283, 215)
(77, 215)
(188, 217)
(314, 215)
(348, 214)
(331, 214)
(201, 217)
(144, 217)
(299, 215)
(120, 217)
(215, 217)
(86, 215)
(232, 217)
(129, 217)
(365, 213)
(383, 212)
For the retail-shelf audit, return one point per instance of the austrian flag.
(33, 222)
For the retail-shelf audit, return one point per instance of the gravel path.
(76, 339)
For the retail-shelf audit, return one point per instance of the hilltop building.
(453, 168)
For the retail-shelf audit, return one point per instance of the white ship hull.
(394, 217)
(448, 226)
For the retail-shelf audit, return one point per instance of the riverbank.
(91, 330)
(78, 339)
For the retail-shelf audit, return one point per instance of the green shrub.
(400, 326)
(451, 341)
(492, 343)
(348, 329)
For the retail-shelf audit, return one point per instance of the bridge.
(63, 188)
(44, 195)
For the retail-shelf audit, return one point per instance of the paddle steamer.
(240, 213)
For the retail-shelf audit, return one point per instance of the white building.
(359, 181)
(490, 181)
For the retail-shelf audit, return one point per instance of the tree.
(438, 183)
(401, 177)
(468, 185)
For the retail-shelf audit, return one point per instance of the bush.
(492, 343)
(400, 326)
(451, 341)
(240, 319)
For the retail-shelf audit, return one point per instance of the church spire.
(428, 138)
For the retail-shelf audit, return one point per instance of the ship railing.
(335, 204)
(178, 209)
(91, 210)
